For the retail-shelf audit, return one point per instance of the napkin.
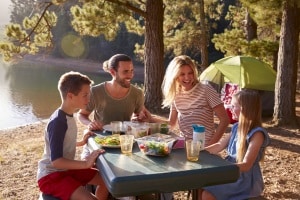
(179, 143)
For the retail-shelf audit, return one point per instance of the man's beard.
(122, 82)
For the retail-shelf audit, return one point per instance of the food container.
(138, 129)
(156, 144)
(164, 128)
(153, 128)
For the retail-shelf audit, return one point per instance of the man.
(114, 100)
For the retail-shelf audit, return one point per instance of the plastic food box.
(136, 128)
(139, 131)
(156, 144)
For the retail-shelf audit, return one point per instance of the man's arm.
(146, 116)
(83, 117)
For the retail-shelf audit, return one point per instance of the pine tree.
(104, 18)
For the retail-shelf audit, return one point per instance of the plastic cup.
(192, 150)
(126, 142)
(116, 127)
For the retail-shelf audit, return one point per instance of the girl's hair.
(170, 86)
(113, 62)
(71, 82)
(250, 117)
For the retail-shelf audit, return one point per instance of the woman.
(192, 102)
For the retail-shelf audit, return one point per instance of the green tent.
(247, 72)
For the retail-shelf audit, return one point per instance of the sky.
(4, 12)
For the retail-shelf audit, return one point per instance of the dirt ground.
(22, 147)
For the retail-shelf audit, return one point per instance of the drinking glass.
(192, 150)
(126, 142)
(116, 127)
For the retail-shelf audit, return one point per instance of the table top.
(136, 174)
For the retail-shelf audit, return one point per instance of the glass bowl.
(156, 145)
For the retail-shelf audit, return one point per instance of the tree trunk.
(285, 87)
(250, 27)
(154, 55)
(203, 39)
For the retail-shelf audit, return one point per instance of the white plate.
(106, 145)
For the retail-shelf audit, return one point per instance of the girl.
(245, 145)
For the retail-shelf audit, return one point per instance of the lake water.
(29, 92)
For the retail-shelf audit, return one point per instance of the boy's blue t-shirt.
(60, 141)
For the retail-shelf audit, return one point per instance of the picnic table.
(138, 174)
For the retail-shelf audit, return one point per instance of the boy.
(58, 173)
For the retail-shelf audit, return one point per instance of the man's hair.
(72, 82)
(113, 62)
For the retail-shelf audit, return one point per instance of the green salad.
(164, 128)
(108, 140)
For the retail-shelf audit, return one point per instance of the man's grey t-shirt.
(107, 109)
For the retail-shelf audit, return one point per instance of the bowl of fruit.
(156, 144)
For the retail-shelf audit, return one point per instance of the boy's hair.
(113, 62)
(72, 82)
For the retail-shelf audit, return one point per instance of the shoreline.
(23, 125)
(76, 64)
(83, 65)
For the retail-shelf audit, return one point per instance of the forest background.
(266, 30)
(153, 32)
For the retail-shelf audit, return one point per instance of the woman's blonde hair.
(170, 86)
(250, 117)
